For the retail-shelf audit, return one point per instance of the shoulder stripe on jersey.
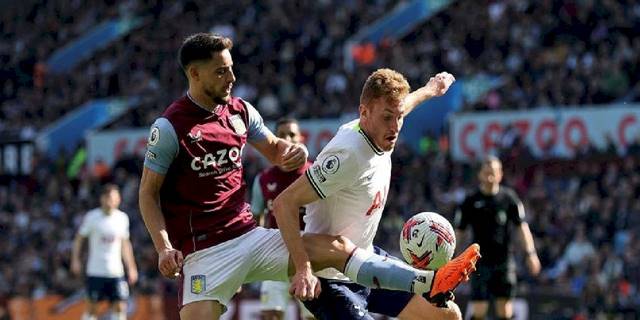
(173, 134)
(373, 146)
(313, 184)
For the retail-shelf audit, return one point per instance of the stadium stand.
(590, 45)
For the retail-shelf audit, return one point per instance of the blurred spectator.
(576, 254)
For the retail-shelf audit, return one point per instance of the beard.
(217, 98)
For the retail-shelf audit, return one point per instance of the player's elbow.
(281, 207)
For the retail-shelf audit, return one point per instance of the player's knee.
(343, 244)
(327, 251)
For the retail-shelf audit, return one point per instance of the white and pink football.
(427, 241)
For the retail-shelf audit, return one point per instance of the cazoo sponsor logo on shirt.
(217, 162)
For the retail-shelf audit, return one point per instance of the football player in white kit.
(345, 192)
(108, 231)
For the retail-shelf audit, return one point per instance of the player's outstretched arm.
(288, 156)
(304, 285)
(169, 259)
(435, 87)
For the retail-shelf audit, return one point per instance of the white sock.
(375, 271)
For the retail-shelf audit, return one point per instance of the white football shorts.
(217, 272)
(274, 295)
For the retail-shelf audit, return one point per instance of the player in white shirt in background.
(108, 231)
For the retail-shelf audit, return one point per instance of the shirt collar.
(369, 141)
(215, 110)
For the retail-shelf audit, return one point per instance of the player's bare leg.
(91, 311)
(371, 270)
(209, 309)
(119, 310)
(504, 308)
(326, 251)
(420, 308)
(479, 309)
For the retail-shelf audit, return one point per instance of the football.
(427, 241)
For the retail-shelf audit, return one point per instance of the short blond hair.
(385, 83)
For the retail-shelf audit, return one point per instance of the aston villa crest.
(198, 283)
(238, 124)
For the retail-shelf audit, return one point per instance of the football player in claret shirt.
(267, 185)
(192, 199)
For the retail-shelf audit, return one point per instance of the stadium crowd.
(590, 45)
(286, 42)
(296, 53)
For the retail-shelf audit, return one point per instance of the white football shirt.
(351, 175)
(105, 233)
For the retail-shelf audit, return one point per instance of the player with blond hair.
(345, 192)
